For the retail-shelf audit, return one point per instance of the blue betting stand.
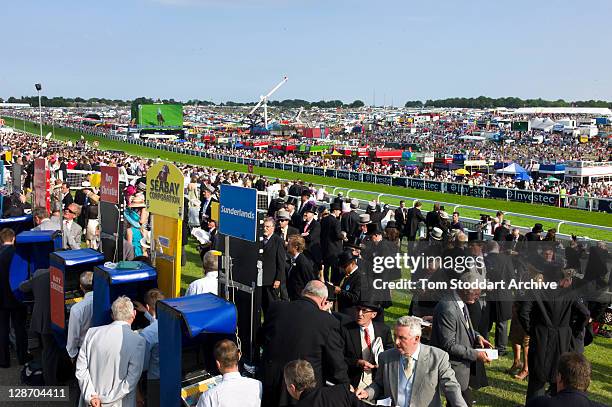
(32, 250)
(65, 268)
(17, 223)
(188, 328)
(111, 283)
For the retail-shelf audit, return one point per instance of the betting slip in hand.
(491, 353)
(377, 349)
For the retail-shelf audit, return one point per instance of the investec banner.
(165, 185)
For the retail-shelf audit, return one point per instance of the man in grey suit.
(412, 374)
(43, 221)
(453, 332)
(110, 360)
(71, 230)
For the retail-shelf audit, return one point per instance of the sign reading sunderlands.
(165, 195)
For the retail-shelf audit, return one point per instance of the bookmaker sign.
(165, 185)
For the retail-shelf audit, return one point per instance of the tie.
(409, 367)
(366, 337)
(305, 227)
(467, 320)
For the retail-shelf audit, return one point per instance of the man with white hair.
(412, 374)
(110, 360)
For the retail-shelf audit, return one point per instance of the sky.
(376, 51)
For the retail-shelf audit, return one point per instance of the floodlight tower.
(263, 100)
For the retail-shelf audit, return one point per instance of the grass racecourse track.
(503, 390)
(564, 214)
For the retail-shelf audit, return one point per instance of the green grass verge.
(564, 214)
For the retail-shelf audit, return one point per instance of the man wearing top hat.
(331, 243)
(348, 291)
(362, 338)
(376, 247)
(350, 220)
(310, 230)
(295, 220)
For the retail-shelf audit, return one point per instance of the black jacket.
(299, 273)
(331, 239)
(566, 397)
(350, 293)
(546, 318)
(349, 223)
(299, 330)
(313, 242)
(500, 268)
(333, 396)
(274, 260)
(290, 232)
(415, 216)
(7, 300)
(353, 350)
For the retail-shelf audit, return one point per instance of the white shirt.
(206, 284)
(79, 323)
(366, 354)
(233, 391)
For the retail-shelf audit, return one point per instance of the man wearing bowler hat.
(283, 228)
(362, 236)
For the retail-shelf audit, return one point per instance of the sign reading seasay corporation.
(165, 190)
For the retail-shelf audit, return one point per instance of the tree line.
(59, 101)
(483, 102)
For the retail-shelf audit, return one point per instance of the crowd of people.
(441, 138)
(323, 309)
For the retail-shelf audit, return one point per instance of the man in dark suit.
(283, 228)
(311, 232)
(348, 291)
(274, 259)
(66, 195)
(501, 233)
(331, 243)
(295, 218)
(11, 310)
(312, 334)
(207, 198)
(302, 385)
(515, 242)
(401, 218)
(549, 318)
(300, 270)
(212, 242)
(277, 203)
(534, 235)
(349, 222)
(573, 381)
(499, 301)
(361, 340)
(453, 332)
(414, 217)
(432, 220)
(40, 285)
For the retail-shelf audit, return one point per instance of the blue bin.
(111, 283)
(188, 324)
(65, 268)
(32, 250)
(18, 224)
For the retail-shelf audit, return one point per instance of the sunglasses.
(69, 210)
